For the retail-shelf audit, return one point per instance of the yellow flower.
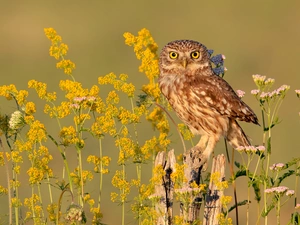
(127, 149)
(68, 135)
(185, 131)
(221, 185)
(30, 108)
(8, 91)
(37, 132)
(67, 65)
(41, 89)
(224, 220)
(119, 182)
(15, 202)
(225, 200)
(50, 33)
(112, 98)
(178, 176)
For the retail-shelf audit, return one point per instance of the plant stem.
(101, 170)
(278, 211)
(123, 192)
(81, 176)
(8, 184)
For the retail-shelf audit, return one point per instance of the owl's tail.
(236, 136)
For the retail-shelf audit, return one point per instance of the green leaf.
(237, 205)
(285, 175)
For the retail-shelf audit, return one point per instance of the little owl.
(205, 102)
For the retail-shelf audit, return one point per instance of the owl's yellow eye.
(173, 55)
(195, 54)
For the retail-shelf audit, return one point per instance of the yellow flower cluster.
(58, 50)
(223, 220)
(158, 174)
(159, 121)
(67, 65)
(145, 49)
(60, 111)
(99, 163)
(34, 206)
(150, 147)
(51, 209)
(221, 185)
(41, 90)
(118, 84)
(185, 131)
(40, 160)
(77, 179)
(8, 91)
(122, 184)
(127, 149)
(68, 136)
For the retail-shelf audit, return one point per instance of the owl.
(205, 102)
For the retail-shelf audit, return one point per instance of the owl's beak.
(184, 63)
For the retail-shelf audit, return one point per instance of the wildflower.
(79, 99)
(75, 106)
(277, 166)
(67, 65)
(269, 190)
(255, 92)
(269, 81)
(16, 120)
(90, 98)
(278, 190)
(218, 60)
(240, 93)
(297, 206)
(290, 193)
(259, 80)
(225, 200)
(219, 70)
(298, 93)
(261, 148)
(75, 213)
(240, 148)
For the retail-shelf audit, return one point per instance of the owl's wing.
(214, 92)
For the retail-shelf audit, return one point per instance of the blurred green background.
(257, 37)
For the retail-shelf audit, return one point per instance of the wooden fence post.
(212, 203)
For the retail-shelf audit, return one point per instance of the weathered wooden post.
(164, 190)
(213, 205)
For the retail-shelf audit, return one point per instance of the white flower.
(16, 120)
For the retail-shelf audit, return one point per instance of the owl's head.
(184, 57)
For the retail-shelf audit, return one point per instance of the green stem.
(64, 159)
(41, 202)
(278, 211)
(49, 188)
(8, 183)
(123, 192)
(101, 170)
(80, 191)
(296, 188)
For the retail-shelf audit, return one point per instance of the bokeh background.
(257, 37)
